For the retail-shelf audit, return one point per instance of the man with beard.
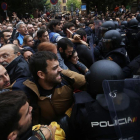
(14, 62)
(5, 36)
(16, 119)
(65, 49)
(50, 92)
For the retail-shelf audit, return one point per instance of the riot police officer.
(132, 45)
(106, 26)
(90, 117)
(122, 31)
(112, 50)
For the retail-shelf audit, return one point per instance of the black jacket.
(90, 119)
(18, 68)
(119, 56)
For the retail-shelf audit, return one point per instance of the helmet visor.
(107, 45)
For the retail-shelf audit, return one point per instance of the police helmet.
(133, 23)
(111, 40)
(124, 24)
(99, 71)
(108, 25)
(138, 17)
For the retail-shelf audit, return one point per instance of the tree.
(24, 6)
(76, 4)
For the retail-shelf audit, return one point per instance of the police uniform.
(91, 119)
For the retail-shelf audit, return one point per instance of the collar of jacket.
(14, 63)
(31, 85)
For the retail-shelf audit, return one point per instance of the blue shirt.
(20, 38)
(61, 61)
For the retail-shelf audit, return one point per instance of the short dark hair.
(53, 23)
(81, 32)
(40, 32)
(67, 25)
(4, 32)
(25, 50)
(63, 43)
(37, 62)
(10, 104)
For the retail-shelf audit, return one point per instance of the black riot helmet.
(106, 26)
(138, 17)
(99, 71)
(133, 24)
(111, 40)
(124, 24)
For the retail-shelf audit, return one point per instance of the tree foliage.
(76, 4)
(24, 6)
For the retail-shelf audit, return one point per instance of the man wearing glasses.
(14, 63)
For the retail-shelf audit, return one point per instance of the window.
(64, 1)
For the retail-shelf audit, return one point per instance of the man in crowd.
(55, 28)
(22, 29)
(42, 36)
(5, 36)
(16, 112)
(4, 78)
(30, 29)
(69, 26)
(51, 86)
(84, 53)
(14, 63)
(65, 48)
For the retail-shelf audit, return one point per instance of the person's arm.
(79, 79)
(43, 132)
(82, 67)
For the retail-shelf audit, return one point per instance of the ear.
(60, 50)
(12, 135)
(41, 74)
(1, 39)
(84, 38)
(18, 54)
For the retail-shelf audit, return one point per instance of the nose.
(6, 77)
(30, 109)
(59, 69)
(1, 60)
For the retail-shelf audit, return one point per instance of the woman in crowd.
(74, 65)
(28, 43)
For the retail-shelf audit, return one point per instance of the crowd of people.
(51, 74)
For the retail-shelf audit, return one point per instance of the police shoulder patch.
(110, 58)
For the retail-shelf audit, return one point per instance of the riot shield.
(123, 99)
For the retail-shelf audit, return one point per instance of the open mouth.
(8, 84)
